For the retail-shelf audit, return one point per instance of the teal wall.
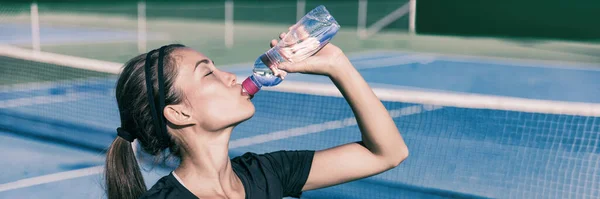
(561, 19)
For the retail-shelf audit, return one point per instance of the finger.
(285, 66)
(291, 67)
(302, 33)
(274, 70)
(307, 51)
(303, 56)
(287, 53)
(279, 73)
(282, 74)
(289, 40)
(303, 53)
(273, 43)
(292, 27)
(310, 43)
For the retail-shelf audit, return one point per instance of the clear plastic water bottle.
(304, 39)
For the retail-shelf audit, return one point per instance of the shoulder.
(167, 187)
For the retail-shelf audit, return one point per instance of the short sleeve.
(292, 169)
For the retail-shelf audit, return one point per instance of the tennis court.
(476, 126)
(455, 151)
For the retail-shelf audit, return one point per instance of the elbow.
(398, 158)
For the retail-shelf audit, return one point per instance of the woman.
(191, 109)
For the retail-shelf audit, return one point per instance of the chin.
(249, 110)
(249, 114)
(245, 115)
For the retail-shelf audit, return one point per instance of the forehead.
(188, 56)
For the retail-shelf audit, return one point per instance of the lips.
(243, 92)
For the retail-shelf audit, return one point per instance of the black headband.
(156, 112)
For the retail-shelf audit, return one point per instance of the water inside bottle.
(264, 74)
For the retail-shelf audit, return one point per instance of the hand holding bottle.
(323, 62)
(304, 39)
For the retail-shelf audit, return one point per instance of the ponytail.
(122, 173)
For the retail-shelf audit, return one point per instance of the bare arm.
(381, 148)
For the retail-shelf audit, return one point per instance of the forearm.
(379, 132)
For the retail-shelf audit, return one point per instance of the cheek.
(223, 112)
(221, 107)
(216, 107)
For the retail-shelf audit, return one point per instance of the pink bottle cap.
(250, 87)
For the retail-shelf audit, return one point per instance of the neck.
(205, 165)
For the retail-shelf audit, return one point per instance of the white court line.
(28, 182)
(69, 97)
(31, 86)
(317, 128)
(394, 61)
(522, 62)
(259, 139)
(58, 59)
(575, 66)
(40, 100)
(47, 99)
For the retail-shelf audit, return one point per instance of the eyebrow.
(203, 61)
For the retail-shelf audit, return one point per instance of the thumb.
(304, 66)
(290, 67)
(295, 67)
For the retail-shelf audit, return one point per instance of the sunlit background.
(495, 99)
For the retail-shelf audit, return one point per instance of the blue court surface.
(455, 152)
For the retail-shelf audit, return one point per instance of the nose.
(229, 78)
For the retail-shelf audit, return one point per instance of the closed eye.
(209, 73)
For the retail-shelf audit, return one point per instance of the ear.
(178, 115)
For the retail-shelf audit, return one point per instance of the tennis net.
(462, 145)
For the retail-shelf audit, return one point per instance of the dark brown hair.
(122, 173)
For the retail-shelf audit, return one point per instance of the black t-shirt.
(271, 175)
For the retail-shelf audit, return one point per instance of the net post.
(141, 11)
(300, 9)
(412, 16)
(229, 23)
(362, 19)
(35, 28)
